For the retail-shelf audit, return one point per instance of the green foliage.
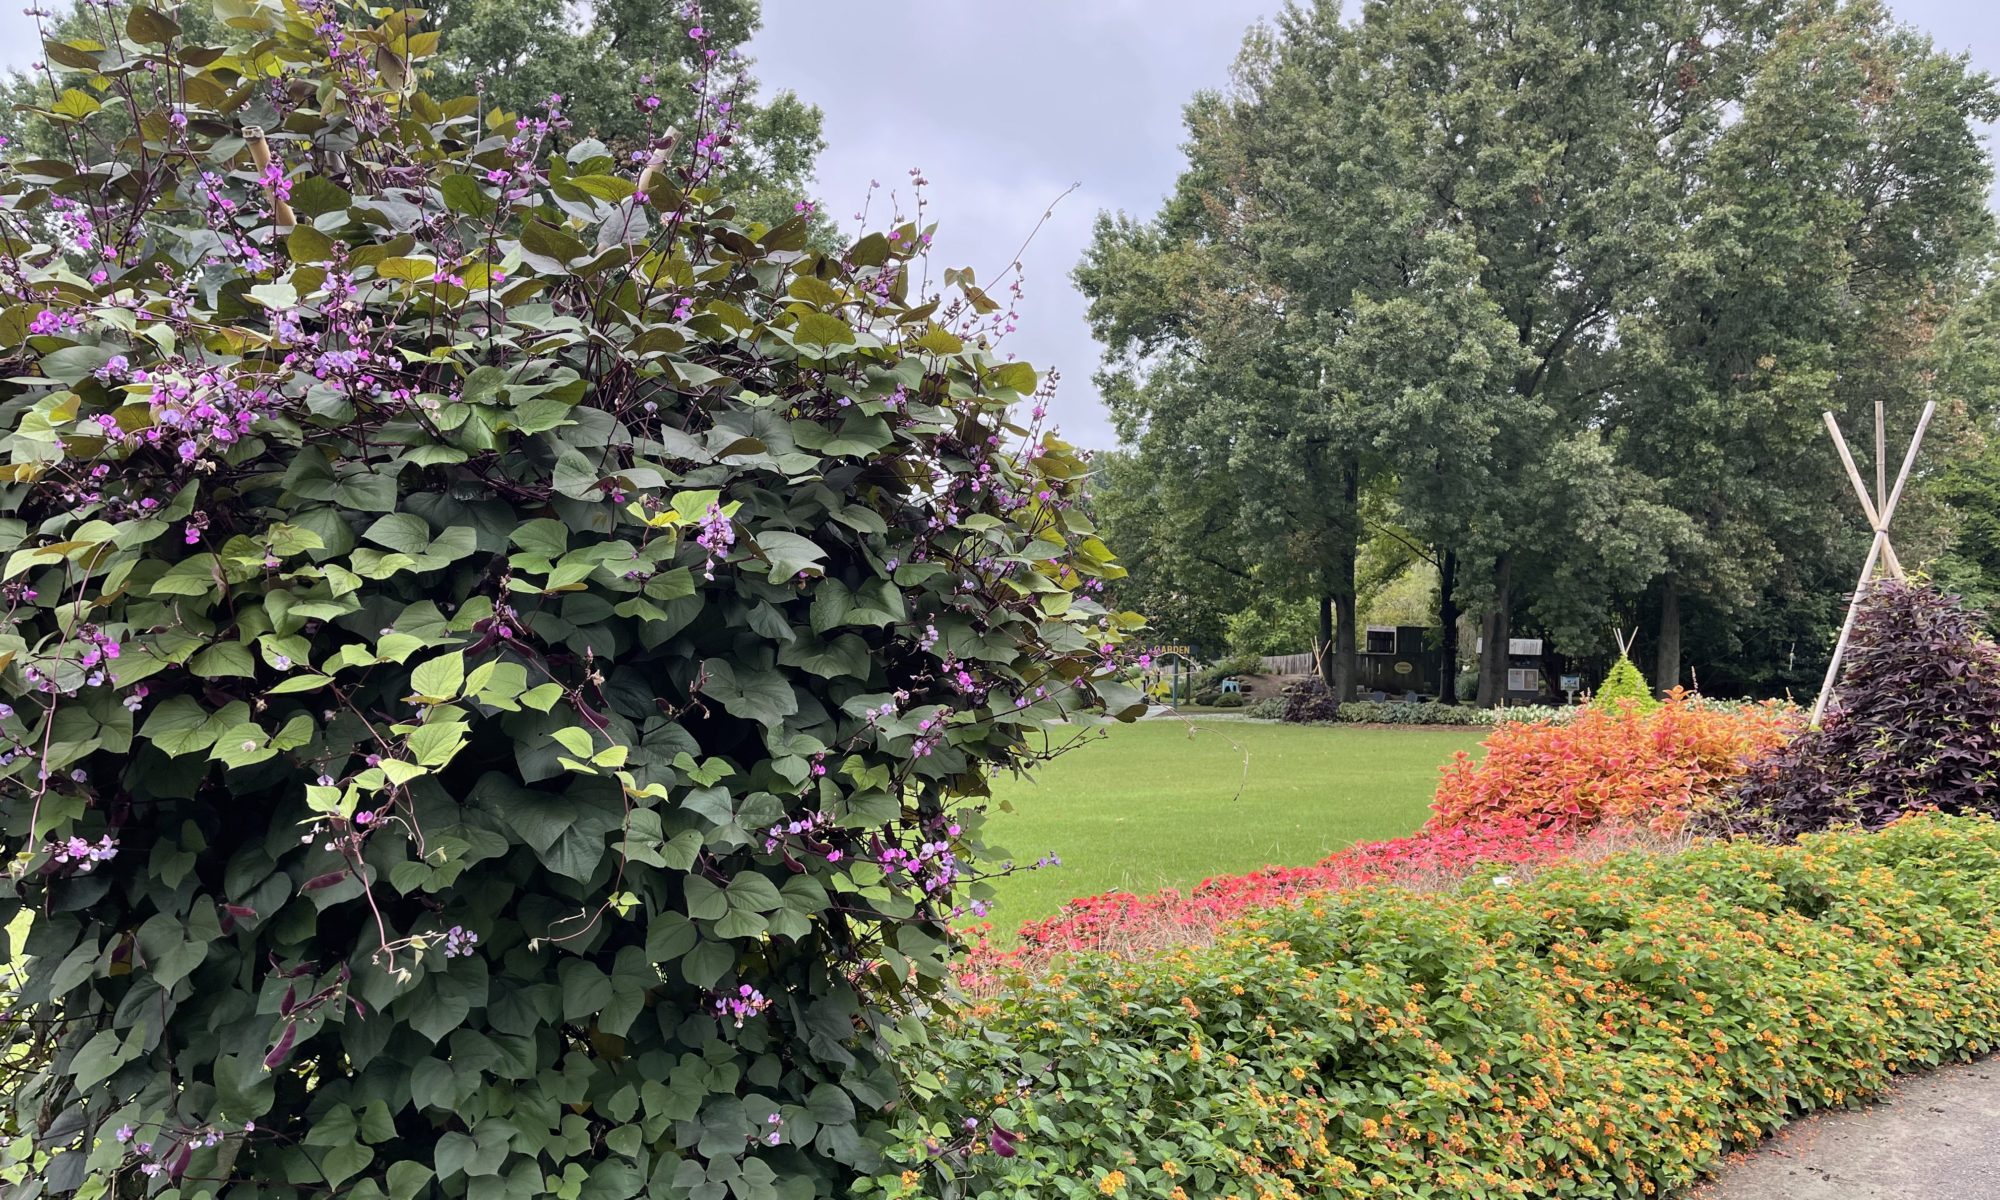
(1376, 712)
(1546, 295)
(1601, 1031)
(1264, 623)
(1193, 583)
(627, 74)
(1968, 357)
(1210, 677)
(1624, 687)
(499, 678)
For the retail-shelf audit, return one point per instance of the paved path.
(1935, 1136)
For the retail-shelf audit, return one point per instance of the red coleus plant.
(1655, 769)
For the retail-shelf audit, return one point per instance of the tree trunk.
(1342, 586)
(1323, 652)
(1343, 636)
(1667, 665)
(1493, 632)
(1448, 618)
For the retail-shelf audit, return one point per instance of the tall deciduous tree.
(1556, 274)
(1827, 237)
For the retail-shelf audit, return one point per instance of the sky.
(1007, 105)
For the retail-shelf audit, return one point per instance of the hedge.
(1602, 1031)
(1430, 712)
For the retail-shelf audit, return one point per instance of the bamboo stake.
(1909, 460)
(1847, 626)
(1868, 568)
(657, 161)
(260, 153)
(1881, 457)
(1861, 492)
(651, 174)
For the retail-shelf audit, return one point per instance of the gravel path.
(1934, 1136)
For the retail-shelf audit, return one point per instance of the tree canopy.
(1560, 290)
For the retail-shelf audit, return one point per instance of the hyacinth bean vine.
(500, 656)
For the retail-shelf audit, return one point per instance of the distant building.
(1398, 661)
(1391, 662)
(1527, 682)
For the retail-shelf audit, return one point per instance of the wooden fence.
(1289, 664)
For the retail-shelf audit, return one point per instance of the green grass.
(1154, 805)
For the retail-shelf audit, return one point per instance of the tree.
(500, 655)
(1968, 379)
(627, 73)
(1210, 380)
(1569, 283)
(1830, 228)
(1191, 581)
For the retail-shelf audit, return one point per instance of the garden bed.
(1604, 1030)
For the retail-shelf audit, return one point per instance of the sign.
(1572, 683)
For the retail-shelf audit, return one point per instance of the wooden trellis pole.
(1879, 509)
(260, 153)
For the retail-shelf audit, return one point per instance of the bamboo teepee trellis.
(1879, 509)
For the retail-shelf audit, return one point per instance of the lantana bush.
(500, 655)
(1604, 1031)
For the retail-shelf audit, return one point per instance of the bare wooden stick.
(1874, 549)
(657, 161)
(1861, 493)
(260, 153)
(1881, 458)
(1909, 460)
(1847, 626)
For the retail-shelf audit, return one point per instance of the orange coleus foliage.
(1656, 768)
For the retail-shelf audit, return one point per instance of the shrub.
(1915, 724)
(1209, 678)
(1378, 712)
(492, 677)
(1231, 700)
(1600, 1031)
(1310, 701)
(1428, 712)
(1654, 768)
(1270, 708)
(1624, 687)
(1528, 713)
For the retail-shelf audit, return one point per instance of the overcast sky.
(1005, 104)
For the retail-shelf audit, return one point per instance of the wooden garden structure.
(1879, 509)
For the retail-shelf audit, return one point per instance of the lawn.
(1170, 803)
